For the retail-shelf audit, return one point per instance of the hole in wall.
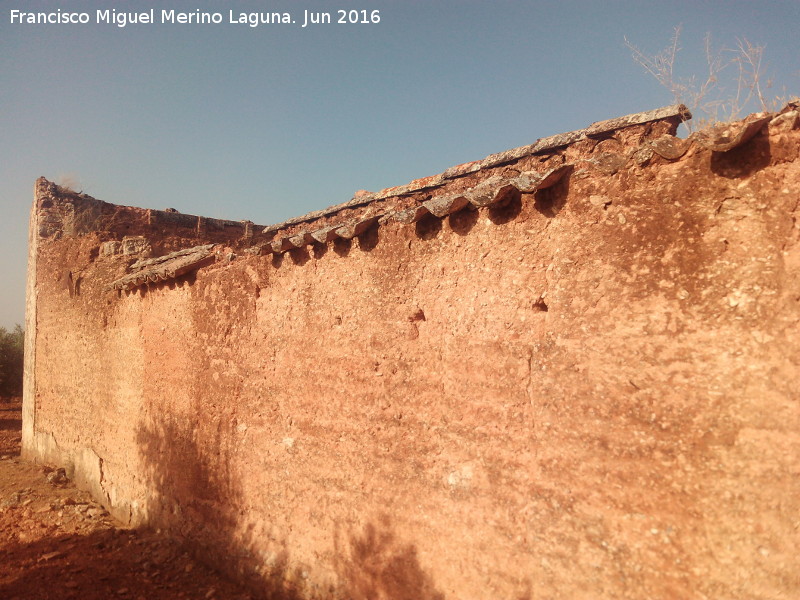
(368, 239)
(463, 221)
(342, 246)
(428, 227)
(550, 201)
(318, 250)
(743, 160)
(506, 210)
(300, 256)
(417, 315)
(188, 279)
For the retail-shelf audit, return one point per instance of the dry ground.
(56, 542)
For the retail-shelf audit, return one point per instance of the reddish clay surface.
(56, 543)
(582, 391)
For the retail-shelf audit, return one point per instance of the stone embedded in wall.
(54, 218)
(786, 121)
(111, 248)
(411, 215)
(301, 239)
(64, 212)
(135, 244)
(163, 268)
(325, 234)
(489, 191)
(441, 206)
(281, 244)
(669, 147)
(727, 136)
(608, 162)
(353, 228)
(50, 227)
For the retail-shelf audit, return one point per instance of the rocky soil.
(57, 543)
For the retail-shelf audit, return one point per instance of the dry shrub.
(69, 181)
(734, 84)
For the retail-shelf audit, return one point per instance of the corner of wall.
(29, 450)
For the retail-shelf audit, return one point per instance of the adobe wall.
(585, 388)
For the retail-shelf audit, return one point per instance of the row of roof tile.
(495, 189)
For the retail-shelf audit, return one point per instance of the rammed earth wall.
(567, 371)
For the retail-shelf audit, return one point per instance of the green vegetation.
(11, 361)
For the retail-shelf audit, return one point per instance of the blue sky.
(270, 122)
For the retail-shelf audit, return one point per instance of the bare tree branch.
(709, 98)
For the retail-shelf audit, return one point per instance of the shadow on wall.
(196, 496)
(506, 210)
(550, 201)
(744, 160)
(367, 241)
(193, 494)
(378, 566)
(428, 227)
(462, 221)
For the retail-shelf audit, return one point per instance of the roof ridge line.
(674, 111)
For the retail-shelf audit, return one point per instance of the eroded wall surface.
(585, 390)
